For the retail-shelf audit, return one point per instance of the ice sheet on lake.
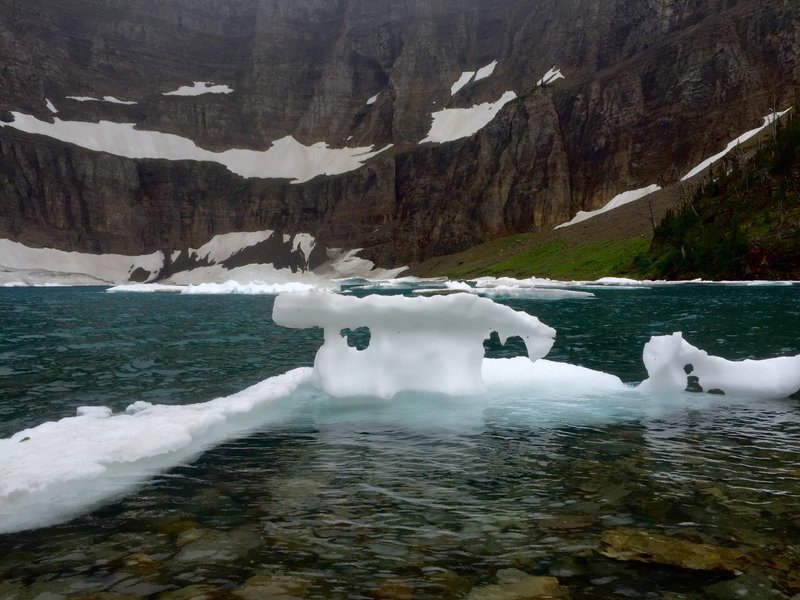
(428, 344)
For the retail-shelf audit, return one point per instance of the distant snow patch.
(455, 123)
(373, 99)
(110, 99)
(198, 88)
(549, 77)
(768, 120)
(286, 159)
(461, 82)
(484, 72)
(50, 106)
(615, 202)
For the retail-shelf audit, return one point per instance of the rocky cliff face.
(650, 89)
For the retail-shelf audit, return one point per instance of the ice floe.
(198, 88)
(285, 159)
(672, 364)
(615, 202)
(768, 120)
(455, 123)
(51, 472)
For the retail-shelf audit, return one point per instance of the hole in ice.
(357, 338)
(493, 347)
(693, 384)
(688, 369)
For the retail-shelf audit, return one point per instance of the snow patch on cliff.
(768, 120)
(549, 77)
(198, 88)
(50, 106)
(373, 99)
(455, 123)
(286, 159)
(615, 202)
(461, 82)
(111, 99)
(485, 71)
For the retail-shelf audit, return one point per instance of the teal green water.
(357, 501)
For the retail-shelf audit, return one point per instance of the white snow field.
(615, 202)
(285, 159)
(455, 123)
(22, 265)
(199, 88)
(768, 120)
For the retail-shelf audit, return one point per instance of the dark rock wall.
(652, 87)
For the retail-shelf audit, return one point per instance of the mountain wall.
(650, 88)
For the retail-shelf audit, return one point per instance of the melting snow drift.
(615, 202)
(198, 88)
(549, 77)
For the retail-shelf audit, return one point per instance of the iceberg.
(431, 344)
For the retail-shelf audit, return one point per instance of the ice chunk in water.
(671, 361)
(425, 344)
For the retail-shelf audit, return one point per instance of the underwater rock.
(753, 585)
(516, 585)
(274, 587)
(648, 547)
(191, 592)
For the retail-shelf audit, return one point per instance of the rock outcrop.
(650, 89)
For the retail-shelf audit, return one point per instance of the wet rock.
(11, 590)
(274, 587)
(753, 585)
(217, 546)
(188, 536)
(565, 522)
(192, 592)
(394, 589)
(648, 547)
(139, 564)
(517, 585)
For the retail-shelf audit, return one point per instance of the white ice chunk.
(454, 123)
(549, 77)
(50, 106)
(461, 82)
(373, 99)
(429, 344)
(667, 359)
(486, 71)
(768, 120)
(198, 88)
(50, 472)
(615, 202)
(285, 159)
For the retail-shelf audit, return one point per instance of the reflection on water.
(420, 497)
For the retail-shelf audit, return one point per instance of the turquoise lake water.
(419, 497)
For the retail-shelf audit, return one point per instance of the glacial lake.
(421, 496)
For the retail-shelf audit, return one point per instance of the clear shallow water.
(425, 494)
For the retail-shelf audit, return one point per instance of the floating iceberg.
(673, 365)
(426, 344)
